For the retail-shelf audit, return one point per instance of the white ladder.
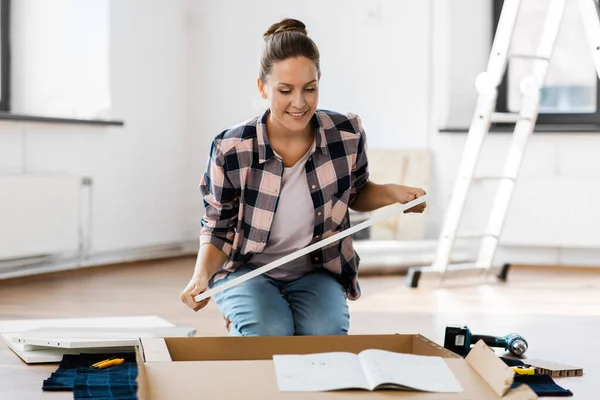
(487, 87)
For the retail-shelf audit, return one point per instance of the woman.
(278, 183)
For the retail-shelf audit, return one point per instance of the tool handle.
(491, 341)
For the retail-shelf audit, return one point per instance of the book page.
(425, 373)
(319, 372)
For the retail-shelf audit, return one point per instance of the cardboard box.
(242, 367)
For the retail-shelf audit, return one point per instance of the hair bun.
(286, 25)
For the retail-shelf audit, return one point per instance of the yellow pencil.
(103, 361)
(108, 363)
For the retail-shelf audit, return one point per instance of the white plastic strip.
(388, 212)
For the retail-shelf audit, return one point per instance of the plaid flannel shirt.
(241, 185)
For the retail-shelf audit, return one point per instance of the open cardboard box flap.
(242, 367)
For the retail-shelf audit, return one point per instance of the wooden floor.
(556, 310)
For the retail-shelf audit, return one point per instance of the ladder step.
(529, 57)
(492, 178)
(469, 266)
(506, 117)
(475, 235)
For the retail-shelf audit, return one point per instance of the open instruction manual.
(370, 370)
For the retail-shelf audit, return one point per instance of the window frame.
(5, 54)
(543, 118)
(5, 80)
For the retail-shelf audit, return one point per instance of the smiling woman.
(292, 91)
(289, 77)
(278, 183)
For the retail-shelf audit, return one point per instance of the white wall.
(182, 71)
(138, 196)
(374, 61)
(408, 68)
(554, 212)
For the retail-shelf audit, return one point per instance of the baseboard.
(549, 256)
(398, 257)
(381, 256)
(55, 263)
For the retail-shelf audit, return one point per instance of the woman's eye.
(285, 91)
(310, 89)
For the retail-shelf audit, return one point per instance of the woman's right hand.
(197, 285)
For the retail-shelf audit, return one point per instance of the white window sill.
(59, 120)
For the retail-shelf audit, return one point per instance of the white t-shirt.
(292, 226)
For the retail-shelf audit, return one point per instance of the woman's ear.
(261, 88)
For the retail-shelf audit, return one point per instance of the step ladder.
(486, 85)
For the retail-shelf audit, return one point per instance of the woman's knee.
(319, 306)
(255, 308)
(332, 325)
(265, 328)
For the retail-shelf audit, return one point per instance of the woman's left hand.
(403, 194)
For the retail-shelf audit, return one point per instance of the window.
(4, 56)
(59, 70)
(571, 93)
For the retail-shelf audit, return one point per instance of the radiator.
(41, 215)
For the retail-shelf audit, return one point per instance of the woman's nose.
(298, 101)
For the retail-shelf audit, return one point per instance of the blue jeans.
(314, 304)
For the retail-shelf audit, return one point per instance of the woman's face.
(292, 91)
